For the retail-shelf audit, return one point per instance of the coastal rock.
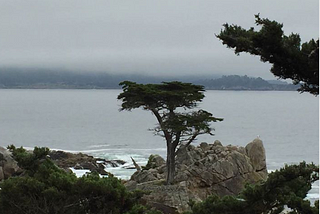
(217, 143)
(168, 198)
(202, 171)
(8, 166)
(65, 160)
(256, 152)
(154, 162)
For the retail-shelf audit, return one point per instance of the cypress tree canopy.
(288, 57)
(170, 95)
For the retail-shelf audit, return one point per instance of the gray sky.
(155, 37)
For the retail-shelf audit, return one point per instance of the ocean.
(89, 121)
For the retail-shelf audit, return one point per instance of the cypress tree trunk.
(170, 164)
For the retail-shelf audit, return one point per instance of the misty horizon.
(173, 76)
(156, 38)
(13, 78)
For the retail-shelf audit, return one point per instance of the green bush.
(140, 209)
(47, 189)
(285, 187)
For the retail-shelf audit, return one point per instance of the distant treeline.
(235, 82)
(39, 78)
(42, 78)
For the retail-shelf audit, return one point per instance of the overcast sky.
(155, 37)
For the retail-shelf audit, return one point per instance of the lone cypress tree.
(289, 58)
(168, 102)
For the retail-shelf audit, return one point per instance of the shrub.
(47, 189)
(285, 187)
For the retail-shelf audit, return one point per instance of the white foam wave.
(110, 150)
(79, 172)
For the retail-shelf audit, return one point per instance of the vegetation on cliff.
(45, 188)
(286, 187)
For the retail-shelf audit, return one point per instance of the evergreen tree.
(167, 102)
(288, 57)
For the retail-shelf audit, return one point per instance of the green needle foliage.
(288, 57)
(47, 189)
(171, 104)
(285, 187)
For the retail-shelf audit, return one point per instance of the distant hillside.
(45, 78)
(235, 82)
(277, 82)
(41, 78)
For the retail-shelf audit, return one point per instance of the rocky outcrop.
(8, 166)
(154, 161)
(201, 171)
(65, 160)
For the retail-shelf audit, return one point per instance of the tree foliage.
(285, 187)
(289, 58)
(168, 102)
(30, 161)
(47, 189)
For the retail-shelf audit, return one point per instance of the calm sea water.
(90, 121)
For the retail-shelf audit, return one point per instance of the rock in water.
(201, 171)
(65, 160)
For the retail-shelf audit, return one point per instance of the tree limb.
(136, 165)
(165, 132)
(192, 138)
